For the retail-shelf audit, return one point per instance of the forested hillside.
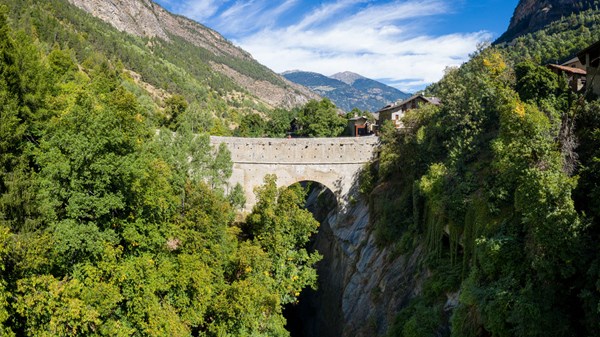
(559, 40)
(499, 184)
(165, 66)
(533, 15)
(109, 227)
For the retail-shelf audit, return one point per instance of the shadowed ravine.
(318, 312)
(361, 286)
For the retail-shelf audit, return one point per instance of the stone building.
(574, 71)
(359, 126)
(395, 111)
(590, 58)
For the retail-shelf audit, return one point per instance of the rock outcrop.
(533, 15)
(145, 18)
(361, 286)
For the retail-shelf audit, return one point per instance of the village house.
(395, 111)
(590, 58)
(574, 71)
(359, 126)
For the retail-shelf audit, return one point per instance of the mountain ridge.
(147, 19)
(347, 77)
(348, 90)
(533, 15)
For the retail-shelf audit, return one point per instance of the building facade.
(590, 58)
(395, 111)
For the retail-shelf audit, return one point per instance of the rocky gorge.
(362, 285)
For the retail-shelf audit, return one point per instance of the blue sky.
(404, 43)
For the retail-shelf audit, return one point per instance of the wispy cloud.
(245, 17)
(199, 10)
(385, 40)
(323, 14)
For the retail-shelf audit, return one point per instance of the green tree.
(252, 125)
(282, 227)
(5, 295)
(537, 83)
(221, 167)
(320, 119)
(175, 108)
(237, 197)
(280, 122)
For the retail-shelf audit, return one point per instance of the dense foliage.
(559, 40)
(320, 119)
(174, 67)
(491, 186)
(314, 119)
(110, 227)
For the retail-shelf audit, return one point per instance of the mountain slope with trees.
(146, 19)
(495, 189)
(533, 15)
(207, 80)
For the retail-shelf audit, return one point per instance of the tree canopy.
(320, 119)
(110, 226)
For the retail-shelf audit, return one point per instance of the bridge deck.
(299, 151)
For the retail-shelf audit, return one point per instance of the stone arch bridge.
(332, 162)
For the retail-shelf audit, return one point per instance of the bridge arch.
(332, 162)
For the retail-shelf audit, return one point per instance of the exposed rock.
(157, 94)
(361, 286)
(289, 96)
(533, 15)
(347, 77)
(147, 19)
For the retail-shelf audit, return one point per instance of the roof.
(393, 106)
(432, 100)
(571, 70)
(357, 118)
(389, 107)
(570, 61)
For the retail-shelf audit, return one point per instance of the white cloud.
(324, 13)
(248, 16)
(373, 42)
(380, 39)
(198, 10)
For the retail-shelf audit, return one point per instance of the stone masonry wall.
(332, 162)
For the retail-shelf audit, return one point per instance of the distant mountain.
(347, 77)
(533, 15)
(348, 90)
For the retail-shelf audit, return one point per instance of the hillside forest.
(499, 187)
(106, 227)
(116, 218)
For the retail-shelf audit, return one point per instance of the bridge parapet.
(332, 162)
(350, 150)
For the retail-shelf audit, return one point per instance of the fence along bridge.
(332, 162)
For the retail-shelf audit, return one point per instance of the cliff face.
(533, 15)
(147, 19)
(361, 286)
